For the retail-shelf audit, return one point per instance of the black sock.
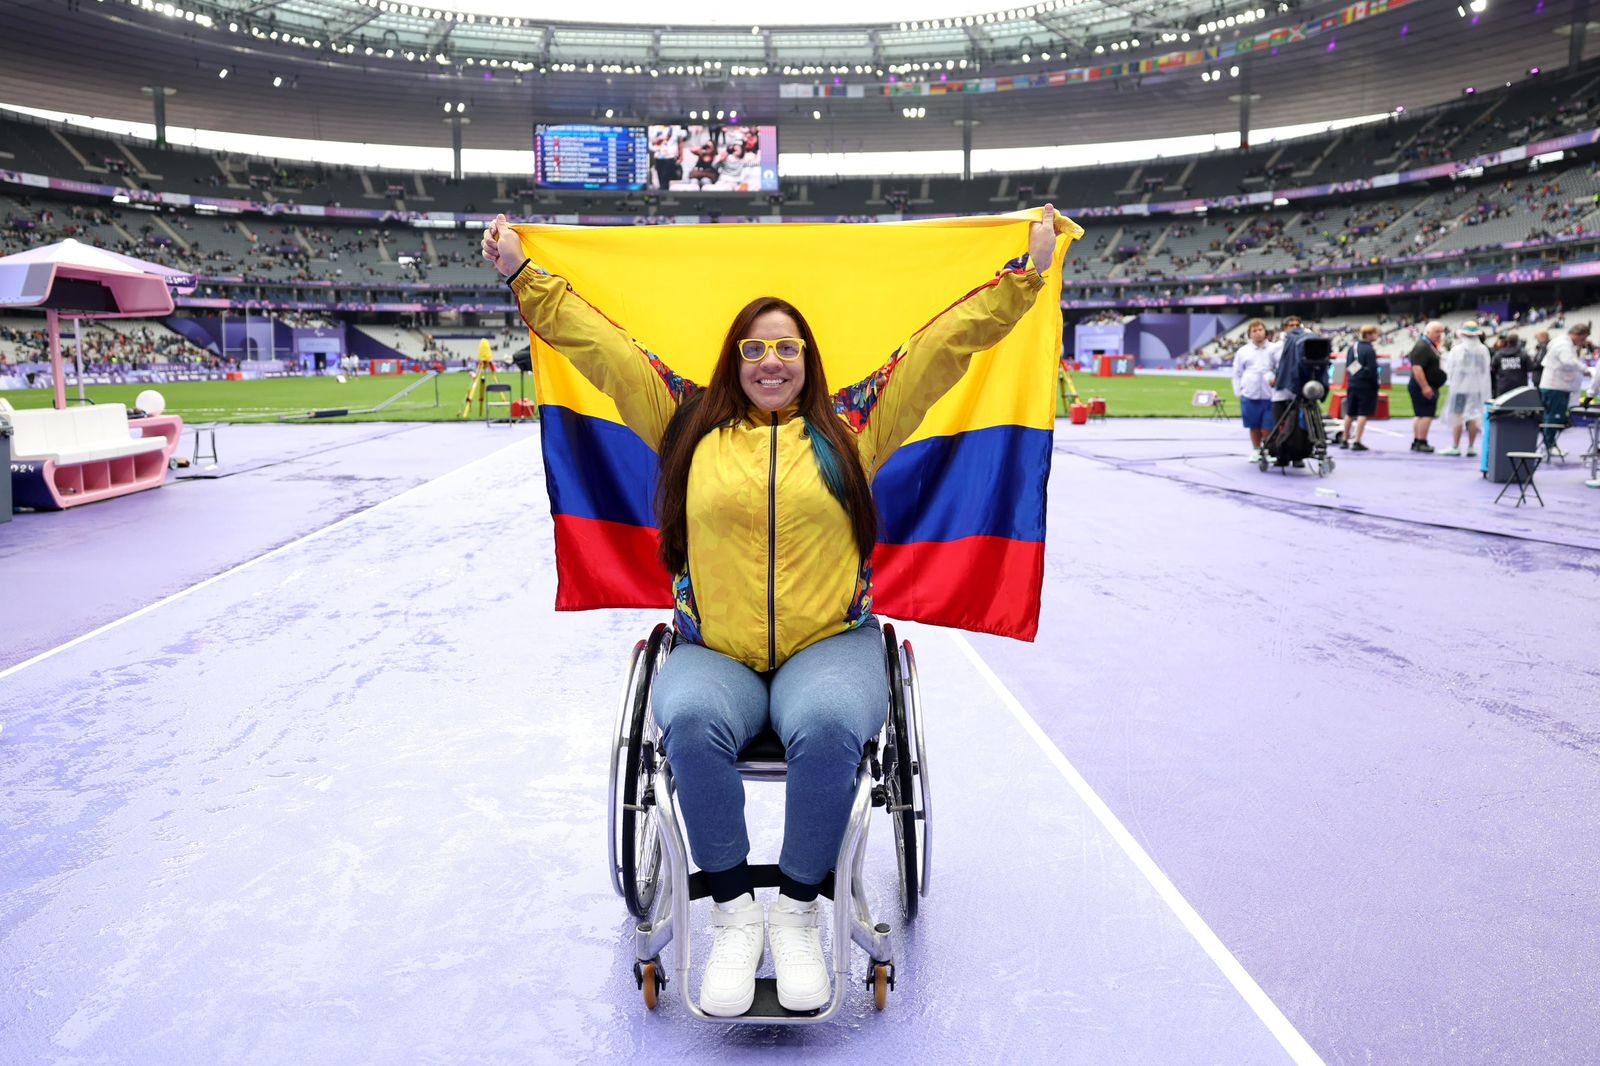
(729, 885)
(798, 891)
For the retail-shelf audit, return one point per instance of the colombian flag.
(962, 502)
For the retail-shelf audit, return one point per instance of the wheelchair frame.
(649, 850)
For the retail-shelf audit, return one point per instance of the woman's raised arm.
(646, 391)
(888, 405)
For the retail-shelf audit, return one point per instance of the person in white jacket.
(1466, 367)
(1563, 376)
(1253, 367)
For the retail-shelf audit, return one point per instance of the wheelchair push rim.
(639, 840)
(619, 752)
(919, 765)
(897, 762)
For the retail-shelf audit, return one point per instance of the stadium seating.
(1410, 233)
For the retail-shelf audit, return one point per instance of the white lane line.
(1273, 1018)
(247, 564)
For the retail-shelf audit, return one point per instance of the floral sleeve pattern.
(854, 403)
(680, 387)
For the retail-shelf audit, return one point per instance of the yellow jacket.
(773, 566)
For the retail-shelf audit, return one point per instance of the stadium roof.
(1311, 63)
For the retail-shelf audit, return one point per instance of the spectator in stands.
(1252, 384)
(1467, 369)
(1563, 375)
(1541, 342)
(1427, 377)
(1510, 365)
(1361, 387)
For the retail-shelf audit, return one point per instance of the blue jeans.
(825, 703)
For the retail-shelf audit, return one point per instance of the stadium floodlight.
(1233, 72)
(817, 115)
(610, 112)
(277, 81)
(1478, 7)
(223, 73)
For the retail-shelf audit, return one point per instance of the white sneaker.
(729, 986)
(1255, 455)
(1472, 451)
(1451, 451)
(796, 934)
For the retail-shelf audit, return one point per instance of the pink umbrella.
(72, 280)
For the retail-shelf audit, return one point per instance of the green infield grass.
(270, 400)
(1170, 396)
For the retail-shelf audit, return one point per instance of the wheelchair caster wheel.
(880, 981)
(651, 981)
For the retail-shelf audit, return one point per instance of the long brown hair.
(724, 401)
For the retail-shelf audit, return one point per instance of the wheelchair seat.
(765, 746)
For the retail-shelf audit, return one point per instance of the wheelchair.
(650, 859)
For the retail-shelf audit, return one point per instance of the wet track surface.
(348, 804)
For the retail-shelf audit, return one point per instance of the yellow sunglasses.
(753, 350)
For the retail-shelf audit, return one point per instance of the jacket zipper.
(772, 550)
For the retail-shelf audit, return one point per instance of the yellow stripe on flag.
(865, 288)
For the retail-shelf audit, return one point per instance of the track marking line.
(1259, 1002)
(248, 563)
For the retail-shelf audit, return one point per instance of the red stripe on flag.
(981, 584)
(607, 564)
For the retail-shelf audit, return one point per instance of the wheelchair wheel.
(640, 842)
(897, 776)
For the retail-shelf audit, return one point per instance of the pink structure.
(64, 457)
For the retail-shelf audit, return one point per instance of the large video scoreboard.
(590, 157)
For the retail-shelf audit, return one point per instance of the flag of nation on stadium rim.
(963, 497)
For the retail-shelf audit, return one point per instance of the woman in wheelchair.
(767, 522)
